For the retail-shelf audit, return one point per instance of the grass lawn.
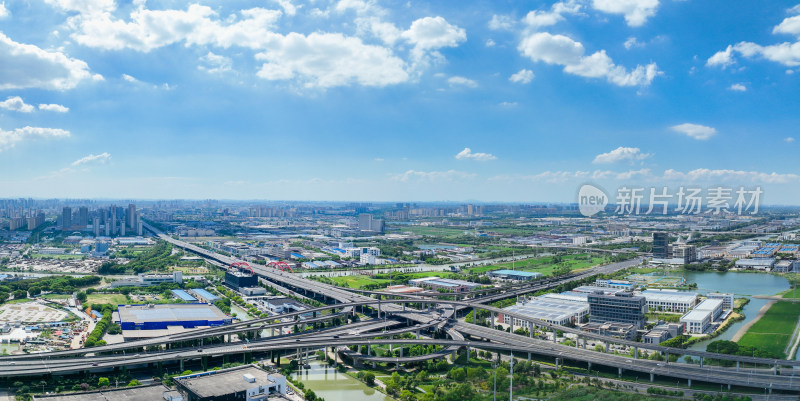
(774, 330)
(357, 281)
(56, 296)
(543, 264)
(113, 299)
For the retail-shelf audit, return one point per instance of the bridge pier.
(666, 358)
(558, 363)
(530, 331)
(737, 366)
(555, 339)
(589, 366)
(729, 387)
(690, 383)
(607, 346)
(619, 372)
(651, 377)
(181, 360)
(369, 349)
(635, 352)
(701, 361)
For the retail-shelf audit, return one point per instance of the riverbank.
(761, 312)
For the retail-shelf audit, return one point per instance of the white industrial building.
(669, 300)
(727, 299)
(553, 311)
(699, 319)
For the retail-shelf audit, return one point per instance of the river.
(332, 385)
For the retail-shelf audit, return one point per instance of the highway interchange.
(395, 317)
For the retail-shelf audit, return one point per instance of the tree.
(20, 294)
(133, 383)
(81, 296)
(103, 382)
(369, 378)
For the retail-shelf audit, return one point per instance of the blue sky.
(390, 100)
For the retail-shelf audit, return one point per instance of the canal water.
(743, 285)
(332, 385)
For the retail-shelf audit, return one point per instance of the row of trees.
(95, 337)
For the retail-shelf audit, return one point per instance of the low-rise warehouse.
(157, 317)
(436, 283)
(139, 393)
(514, 275)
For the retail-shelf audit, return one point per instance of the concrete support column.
(651, 377)
(775, 369)
(558, 363)
(666, 357)
(607, 346)
(369, 349)
(619, 372)
(690, 382)
(729, 387)
(701, 361)
(492, 320)
(554, 336)
(737, 366)
(589, 366)
(635, 352)
(182, 365)
(401, 351)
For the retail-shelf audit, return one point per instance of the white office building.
(727, 299)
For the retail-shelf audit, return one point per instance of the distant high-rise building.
(660, 245)
(83, 216)
(96, 226)
(113, 220)
(378, 225)
(365, 222)
(622, 307)
(131, 217)
(66, 218)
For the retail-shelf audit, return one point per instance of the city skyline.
(378, 101)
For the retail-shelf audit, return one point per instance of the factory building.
(237, 279)
(550, 310)
(669, 300)
(145, 321)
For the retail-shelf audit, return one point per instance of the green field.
(544, 264)
(113, 299)
(357, 281)
(61, 257)
(774, 330)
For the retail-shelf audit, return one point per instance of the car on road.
(200, 350)
(94, 364)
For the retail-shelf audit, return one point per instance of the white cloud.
(490, 43)
(102, 158)
(621, 154)
(737, 176)
(331, 59)
(538, 19)
(54, 107)
(287, 6)
(523, 76)
(28, 66)
(84, 6)
(129, 78)
(561, 50)
(632, 42)
(434, 33)
(15, 103)
(467, 154)
(636, 12)
(461, 81)
(788, 139)
(722, 58)
(738, 88)
(8, 139)
(696, 131)
(785, 53)
(508, 104)
(215, 63)
(3, 10)
(432, 176)
(501, 22)
(789, 26)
